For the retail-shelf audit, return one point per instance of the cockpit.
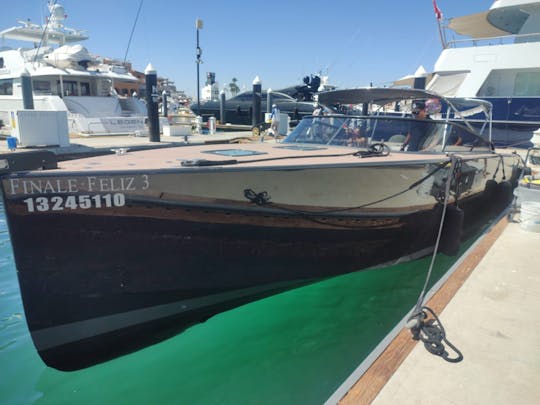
(362, 131)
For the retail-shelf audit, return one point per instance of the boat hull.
(97, 282)
(514, 120)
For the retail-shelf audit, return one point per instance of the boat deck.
(493, 319)
(257, 155)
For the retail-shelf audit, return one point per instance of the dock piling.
(222, 117)
(152, 97)
(256, 111)
(26, 84)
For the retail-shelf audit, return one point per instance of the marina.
(192, 260)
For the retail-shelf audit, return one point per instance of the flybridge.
(53, 32)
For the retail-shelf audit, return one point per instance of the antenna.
(43, 36)
(133, 30)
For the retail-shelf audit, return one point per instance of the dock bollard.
(222, 117)
(152, 97)
(256, 112)
(211, 125)
(269, 101)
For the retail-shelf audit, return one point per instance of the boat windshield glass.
(425, 135)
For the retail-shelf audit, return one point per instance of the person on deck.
(274, 117)
(418, 130)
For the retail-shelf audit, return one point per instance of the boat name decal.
(73, 202)
(91, 184)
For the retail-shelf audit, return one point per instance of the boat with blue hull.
(496, 58)
(114, 252)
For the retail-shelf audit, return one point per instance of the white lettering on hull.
(65, 185)
(73, 202)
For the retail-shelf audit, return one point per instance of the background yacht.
(496, 58)
(66, 78)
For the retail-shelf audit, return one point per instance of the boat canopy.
(382, 96)
(503, 18)
(475, 26)
(456, 108)
(374, 95)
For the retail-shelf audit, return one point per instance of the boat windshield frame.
(360, 131)
(475, 114)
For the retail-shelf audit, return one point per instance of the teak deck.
(171, 158)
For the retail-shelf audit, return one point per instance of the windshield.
(248, 96)
(418, 135)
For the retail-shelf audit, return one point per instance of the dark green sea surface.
(293, 348)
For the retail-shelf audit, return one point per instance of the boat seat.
(397, 138)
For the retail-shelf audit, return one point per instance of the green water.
(293, 348)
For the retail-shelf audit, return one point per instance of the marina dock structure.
(489, 310)
(90, 146)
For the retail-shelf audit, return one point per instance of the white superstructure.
(501, 58)
(66, 78)
(497, 58)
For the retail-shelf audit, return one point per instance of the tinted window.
(6, 87)
(41, 86)
(85, 89)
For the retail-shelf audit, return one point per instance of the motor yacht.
(66, 77)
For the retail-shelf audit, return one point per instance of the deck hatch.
(301, 147)
(235, 152)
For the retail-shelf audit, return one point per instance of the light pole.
(198, 26)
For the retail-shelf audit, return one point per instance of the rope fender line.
(429, 330)
(263, 198)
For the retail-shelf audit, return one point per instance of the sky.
(355, 43)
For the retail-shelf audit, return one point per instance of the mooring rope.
(431, 332)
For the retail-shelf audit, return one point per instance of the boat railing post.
(152, 97)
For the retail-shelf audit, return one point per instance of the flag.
(438, 12)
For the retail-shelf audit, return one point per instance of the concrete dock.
(92, 145)
(490, 310)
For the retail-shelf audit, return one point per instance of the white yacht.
(496, 58)
(66, 77)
